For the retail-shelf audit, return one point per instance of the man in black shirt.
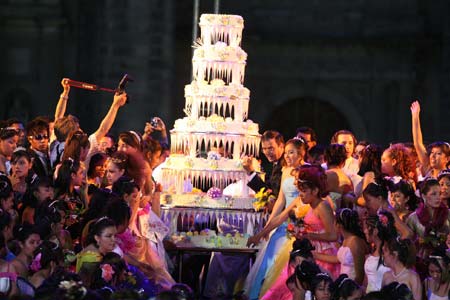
(272, 143)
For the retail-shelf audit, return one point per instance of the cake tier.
(203, 99)
(216, 124)
(225, 28)
(210, 240)
(182, 172)
(220, 51)
(197, 139)
(230, 72)
(201, 200)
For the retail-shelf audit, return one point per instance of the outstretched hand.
(253, 241)
(415, 108)
(247, 163)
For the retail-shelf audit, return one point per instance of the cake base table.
(181, 250)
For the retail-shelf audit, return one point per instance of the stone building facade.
(328, 65)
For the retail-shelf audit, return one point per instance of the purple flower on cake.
(214, 155)
(214, 192)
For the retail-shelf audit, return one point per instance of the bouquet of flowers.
(263, 197)
(296, 223)
(433, 239)
(73, 290)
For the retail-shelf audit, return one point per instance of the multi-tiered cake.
(207, 145)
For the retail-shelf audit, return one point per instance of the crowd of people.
(80, 215)
(363, 221)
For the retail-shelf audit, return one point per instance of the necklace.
(400, 273)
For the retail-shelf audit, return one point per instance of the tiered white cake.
(207, 145)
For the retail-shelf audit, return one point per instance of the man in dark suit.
(272, 143)
(38, 137)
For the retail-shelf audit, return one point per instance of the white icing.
(230, 72)
(220, 52)
(217, 113)
(217, 124)
(200, 175)
(225, 28)
(201, 200)
(204, 99)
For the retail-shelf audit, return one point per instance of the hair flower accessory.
(107, 272)
(383, 219)
(36, 264)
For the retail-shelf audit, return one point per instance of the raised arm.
(402, 228)
(61, 106)
(417, 137)
(274, 222)
(108, 120)
(160, 126)
(62, 102)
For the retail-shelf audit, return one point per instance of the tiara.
(20, 148)
(101, 219)
(53, 203)
(117, 161)
(136, 135)
(342, 210)
(299, 138)
(296, 251)
(342, 282)
(444, 172)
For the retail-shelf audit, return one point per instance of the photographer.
(156, 125)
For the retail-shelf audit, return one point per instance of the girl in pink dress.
(319, 221)
(311, 181)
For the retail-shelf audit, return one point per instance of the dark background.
(354, 64)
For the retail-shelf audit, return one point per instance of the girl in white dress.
(437, 285)
(377, 229)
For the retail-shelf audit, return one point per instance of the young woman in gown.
(294, 153)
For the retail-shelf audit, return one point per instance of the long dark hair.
(301, 247)
(405, 187)
(371, 160)
(76, 141)
(5, 187)
(406, 251)
(349, 219)
(62, 183)
(344, 287)
(384, 222)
